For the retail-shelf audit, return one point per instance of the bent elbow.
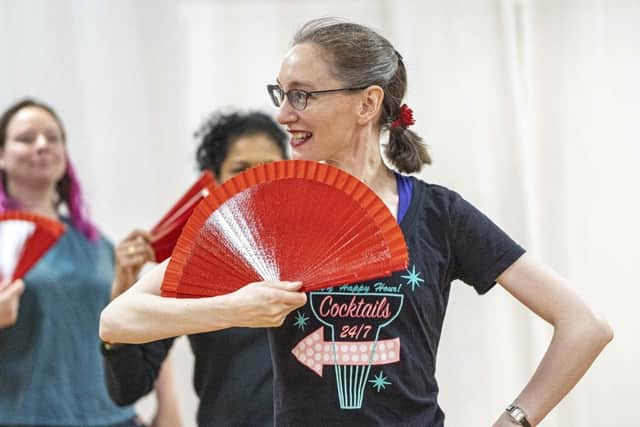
(594, 330)
(602, 331)
(590, 332)
(108, 327)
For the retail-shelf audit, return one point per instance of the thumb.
(291, 286)
(284, 285)
(16, 288)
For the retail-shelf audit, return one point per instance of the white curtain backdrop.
(531, 109)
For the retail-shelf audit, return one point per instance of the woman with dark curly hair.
(231, 143)
(229, 364)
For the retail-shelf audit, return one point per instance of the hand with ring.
(130, 255)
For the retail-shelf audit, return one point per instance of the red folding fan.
(165, 233)
(24, 238)
(288, 220)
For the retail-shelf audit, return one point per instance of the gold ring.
(131, 250)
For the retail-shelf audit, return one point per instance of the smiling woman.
(349, 65)
(52, 370)
(381, 364)
(339, 87)
(34, 150)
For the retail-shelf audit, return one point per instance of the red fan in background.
(289, 220)
(24, 238)
(165, 233)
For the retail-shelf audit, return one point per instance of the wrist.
(121, 283)
(222, 308)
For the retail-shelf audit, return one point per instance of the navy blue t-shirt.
(365, 354)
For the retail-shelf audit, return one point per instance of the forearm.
(138, 317)
(572, 350)
(141, 315)
(168, 410)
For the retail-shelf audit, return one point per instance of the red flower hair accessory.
(405, 118)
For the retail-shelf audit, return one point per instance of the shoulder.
(105, 243)
(101, 243)
(435, 197)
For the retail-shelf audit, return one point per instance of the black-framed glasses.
(298, 98)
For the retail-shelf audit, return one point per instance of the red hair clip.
(405, 118)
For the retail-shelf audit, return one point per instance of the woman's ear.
(370, 105)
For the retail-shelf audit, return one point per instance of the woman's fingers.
(135, 234)
(266, 304)
(290, 294)
(287, 286)
(16, 288)
(10, 303)
(135, 250)
(12, 288)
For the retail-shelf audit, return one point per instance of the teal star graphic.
(413, 278)
(380, 382)
(301, 320)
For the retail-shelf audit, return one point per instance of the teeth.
(300, 135)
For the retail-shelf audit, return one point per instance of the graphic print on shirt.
(353, 317)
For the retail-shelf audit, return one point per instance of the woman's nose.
(41, 141)
(286, 113)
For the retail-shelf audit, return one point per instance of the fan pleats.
(24, 238)
(292, 220)
(166, 232)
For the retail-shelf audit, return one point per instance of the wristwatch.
(517, 415)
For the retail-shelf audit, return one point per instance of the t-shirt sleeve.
(131, 369)
(481, 250)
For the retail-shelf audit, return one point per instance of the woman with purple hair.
(51, 370)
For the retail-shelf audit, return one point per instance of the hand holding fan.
(165, 233)
(292, 220)
(24, 238)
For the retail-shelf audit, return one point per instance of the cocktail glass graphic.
(354, 322)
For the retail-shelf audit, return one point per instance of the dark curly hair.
(219, 131)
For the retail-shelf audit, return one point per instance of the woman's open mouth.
(298, 138)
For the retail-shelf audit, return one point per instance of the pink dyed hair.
(68, 188)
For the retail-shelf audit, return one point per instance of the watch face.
(516, 413)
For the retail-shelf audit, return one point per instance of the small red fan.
(24, 238)
(289, 220)
(165, 233)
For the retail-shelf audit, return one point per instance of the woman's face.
(325, 129)
(247, 152)
(34, 152)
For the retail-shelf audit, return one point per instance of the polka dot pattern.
(313, 352)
